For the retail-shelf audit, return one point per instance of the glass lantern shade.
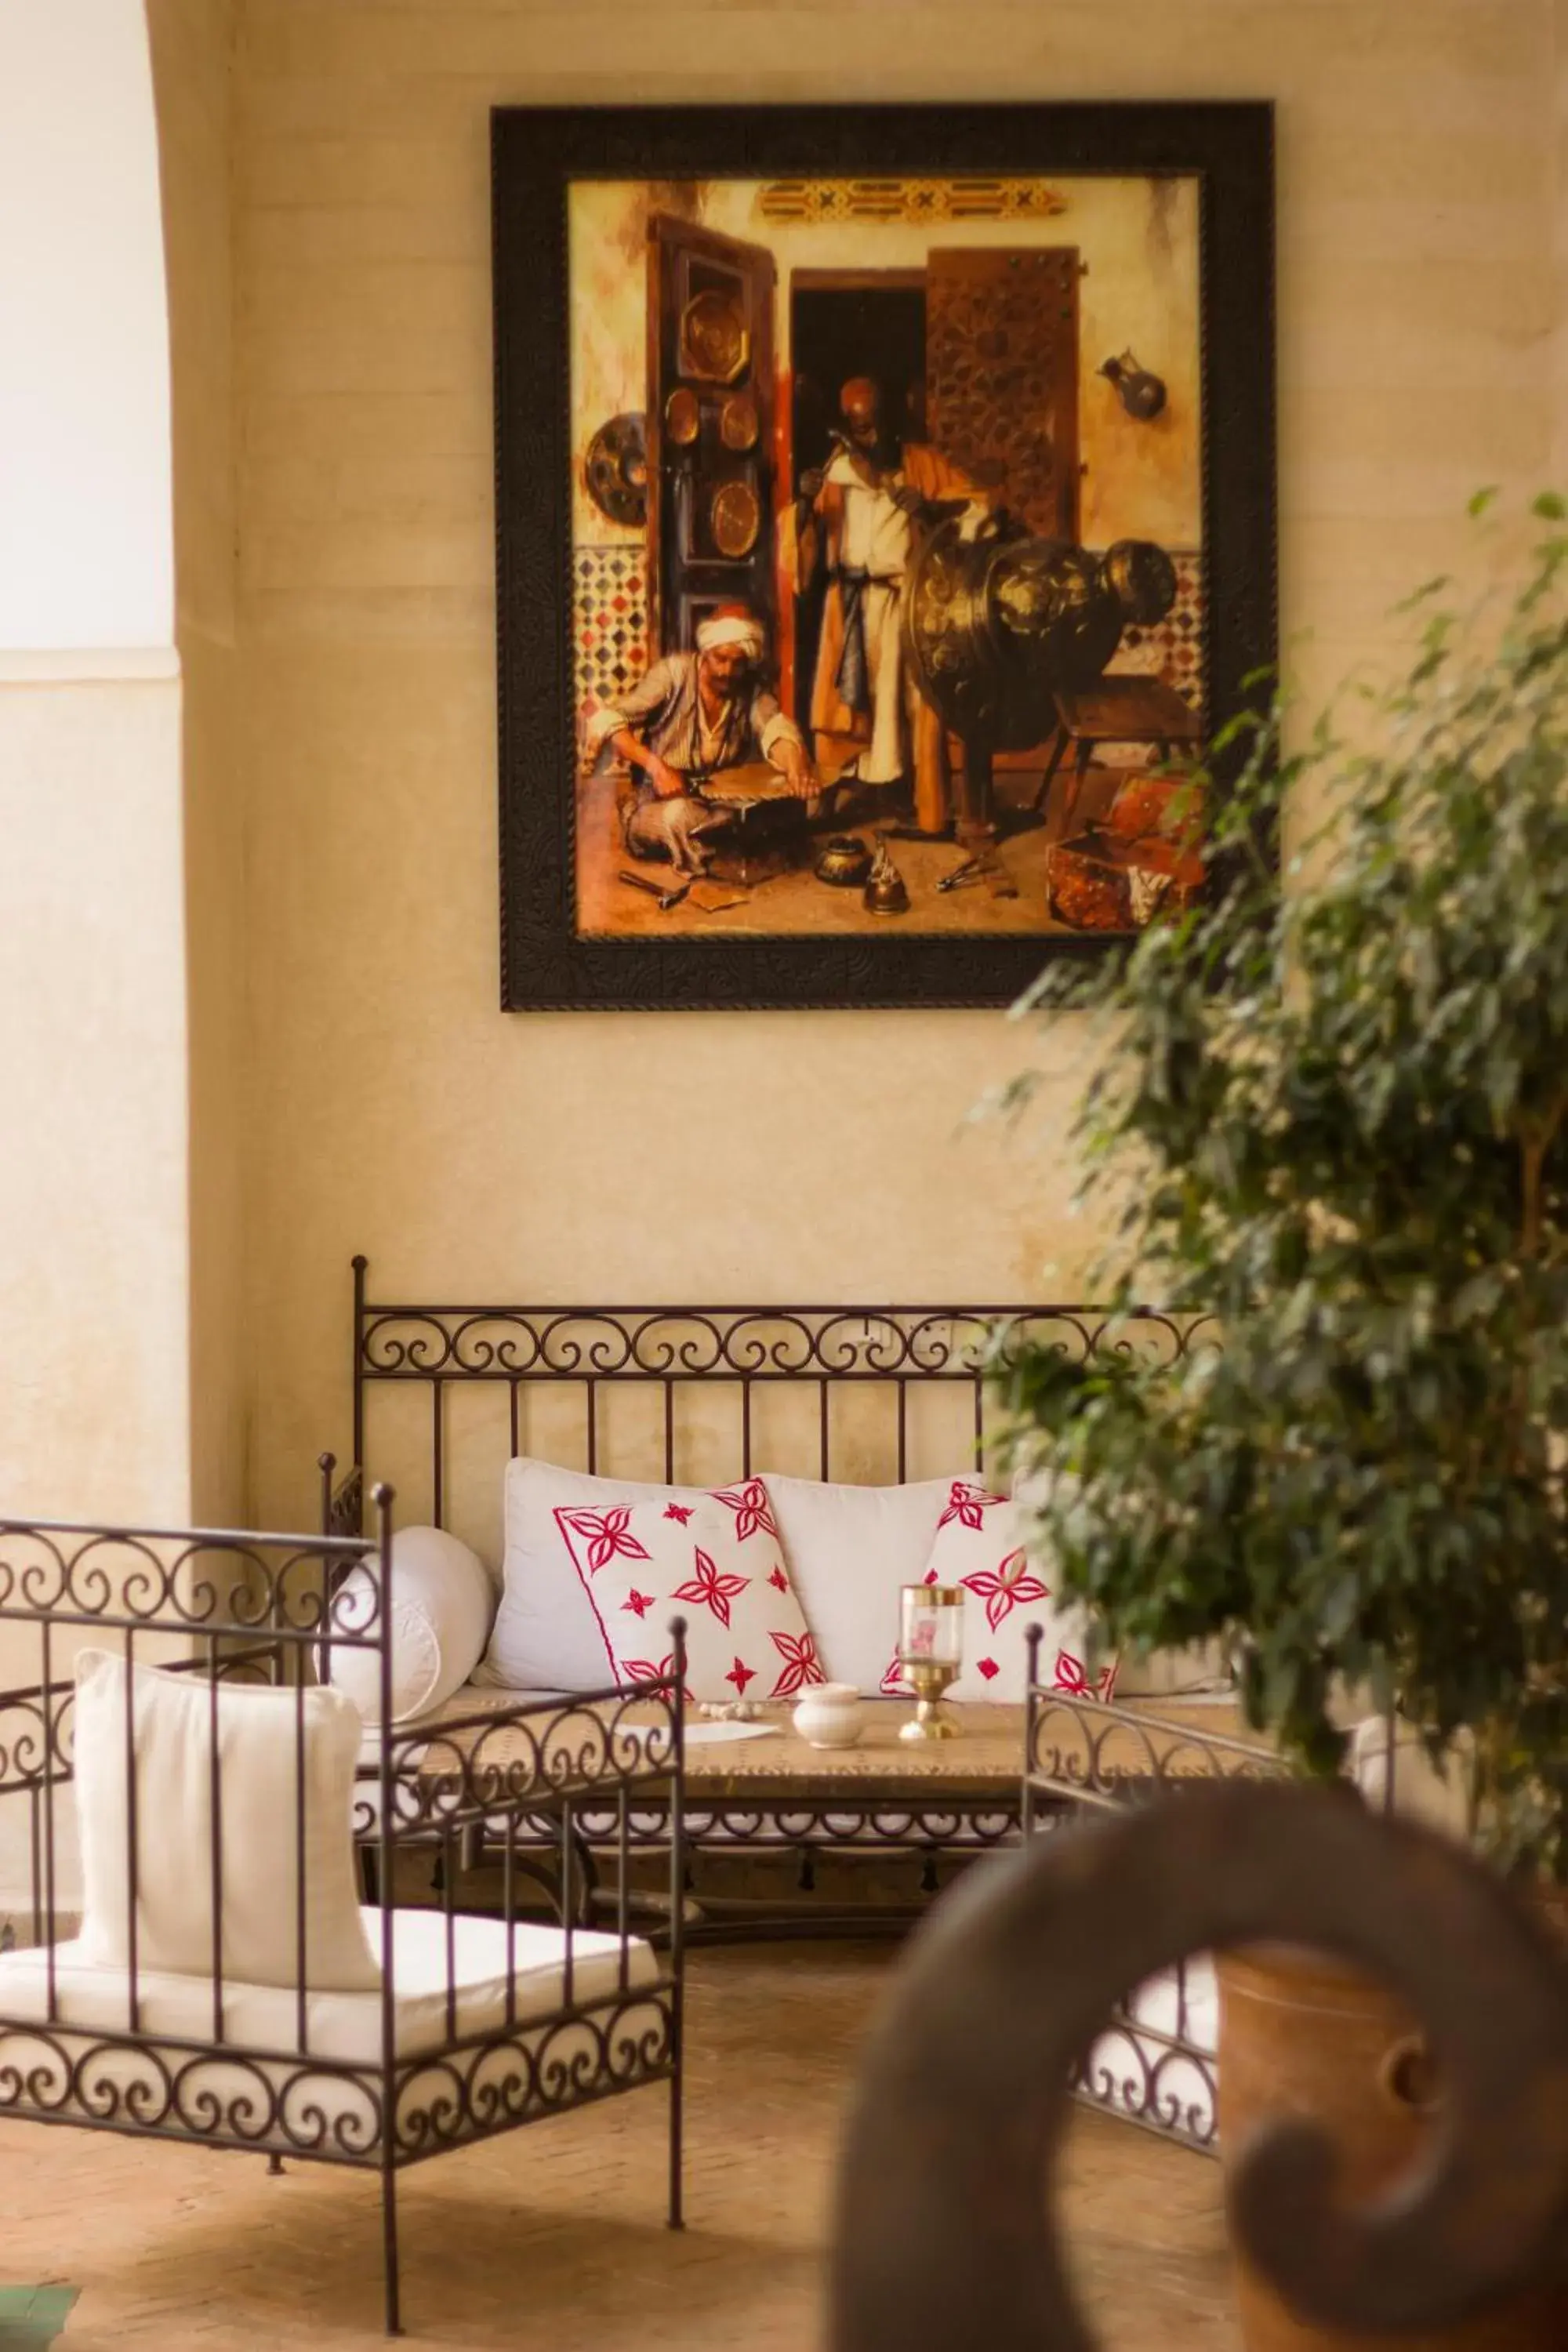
(931, 1625)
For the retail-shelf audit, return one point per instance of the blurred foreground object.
(943, 2234)
(31, 2317)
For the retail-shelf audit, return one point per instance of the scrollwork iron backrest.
(679, 1349)
(234, 1605)
(943, 2235)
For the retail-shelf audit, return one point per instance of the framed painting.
(885, 519)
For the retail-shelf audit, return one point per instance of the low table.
(1123, 707)
(941, 1801)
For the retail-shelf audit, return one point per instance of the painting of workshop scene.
(886, 570)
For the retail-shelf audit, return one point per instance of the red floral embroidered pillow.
(711, 1556)
(982, 1545)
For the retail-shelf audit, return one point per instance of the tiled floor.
(553, 2238)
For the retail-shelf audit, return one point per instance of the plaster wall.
(193, 57)
(669, 1157)
(92, 1230)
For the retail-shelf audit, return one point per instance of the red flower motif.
(800, 1663)
(1003, 1588)
(639, 1603)
(892, 1684)
(741, 1675)
(1069, 1676)
(641, 1670)
(606, 1534)
(709, 1589)
(750, 1505)
(779, 1580)
(678, 1512)
(988, 1667)
(966, 1503)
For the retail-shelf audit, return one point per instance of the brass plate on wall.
(616, 471)
(714, 341)
(738, 422)
(735, 517)
(682, 417)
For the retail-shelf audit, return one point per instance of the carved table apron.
(776, 1796)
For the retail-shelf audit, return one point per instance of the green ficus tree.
(1334, 1103)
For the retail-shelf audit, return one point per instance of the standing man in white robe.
(859, 520)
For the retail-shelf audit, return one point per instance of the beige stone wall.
(92, 1265)
(471, 1153)
(192, 44)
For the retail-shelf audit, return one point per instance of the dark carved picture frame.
(537, 153)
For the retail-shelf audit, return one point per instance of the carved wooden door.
(1002, 376)
(710, 427)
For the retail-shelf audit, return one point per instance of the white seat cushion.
(1157, 2062)
(345, 2026)
(264, 2089)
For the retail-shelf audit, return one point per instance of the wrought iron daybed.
(456, 2027)
(1154, 2063)
(870, 1393)
(867, 1394)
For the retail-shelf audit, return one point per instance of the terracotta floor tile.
(551, 2240)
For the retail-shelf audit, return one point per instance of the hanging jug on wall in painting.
(1141, 395)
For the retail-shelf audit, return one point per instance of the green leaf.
(1327, 1123)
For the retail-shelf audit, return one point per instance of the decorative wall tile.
(609, 620)
(1174, 648)
(610, 626)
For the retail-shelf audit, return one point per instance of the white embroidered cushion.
(980, 1544)
(442, 1603)
(545, 1636)
(849, 1550)
(270, 1781)
(708, 1554)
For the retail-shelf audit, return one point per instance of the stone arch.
(87, 554)
(93, 1061)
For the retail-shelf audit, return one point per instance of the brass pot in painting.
(999, 622)
(844, 861)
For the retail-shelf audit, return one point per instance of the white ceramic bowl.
(829, 1715)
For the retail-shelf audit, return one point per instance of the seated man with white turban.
(692, 715)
